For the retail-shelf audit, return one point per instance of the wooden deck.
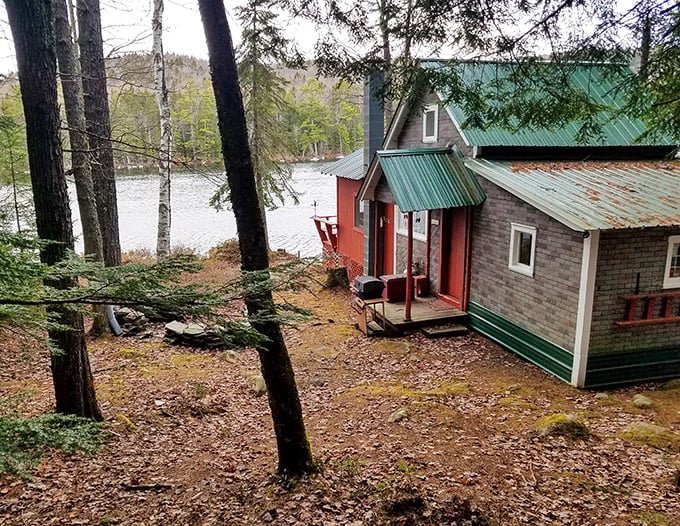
(425, 312)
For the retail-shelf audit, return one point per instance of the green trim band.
(628, 367)
(528, 345)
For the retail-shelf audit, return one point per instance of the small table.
(372, 305)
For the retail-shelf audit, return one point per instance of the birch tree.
(165, 150)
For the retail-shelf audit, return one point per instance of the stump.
(337, 277)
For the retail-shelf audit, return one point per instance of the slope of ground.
(405, 430)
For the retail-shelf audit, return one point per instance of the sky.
(126, 27)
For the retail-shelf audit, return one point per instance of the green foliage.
(24, 441)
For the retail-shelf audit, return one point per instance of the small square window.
(522, 249)
(671, 278)
(430, 123)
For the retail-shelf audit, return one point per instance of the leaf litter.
(189, 442)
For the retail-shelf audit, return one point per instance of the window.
(522, 249)
(671, 278)
(419, 223)
(430, 123)
(358, 213)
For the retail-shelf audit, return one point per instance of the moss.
(652, 519)
(133, 354)
(563, 425)
(398, 348)
(126, 421)
(443, 388)
(652, 435)
(189, 360)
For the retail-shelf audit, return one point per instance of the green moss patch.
(560, 424)
(656, 436)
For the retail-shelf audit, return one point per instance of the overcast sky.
(127, 27)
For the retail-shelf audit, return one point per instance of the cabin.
(562, 248)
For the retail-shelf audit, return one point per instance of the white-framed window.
(522, 249)
(419, 223)
(671, 277)
(430, 123)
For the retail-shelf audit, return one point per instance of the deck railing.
(327, 227)
(647, 309)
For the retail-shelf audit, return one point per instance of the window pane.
(429, 123)
(675, 262)
(524, 256)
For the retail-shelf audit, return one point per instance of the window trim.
(668, 281)
(513, 263)
(359, 207)
(402, 224)
(435, 109)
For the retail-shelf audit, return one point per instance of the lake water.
(197, 225)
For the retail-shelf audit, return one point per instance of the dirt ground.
(405, 431)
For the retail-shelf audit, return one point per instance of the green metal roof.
(593, 195)
(349, 167)
(429, 179)
(604, 84)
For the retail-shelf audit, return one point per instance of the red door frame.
(386, 228)
(454, 256)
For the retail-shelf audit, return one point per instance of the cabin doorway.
(455, 256)
(386, 237)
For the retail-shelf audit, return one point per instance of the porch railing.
(647, 309)
(327, 227)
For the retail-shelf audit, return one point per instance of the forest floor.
(405, 431)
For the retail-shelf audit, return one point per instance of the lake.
(197, 225)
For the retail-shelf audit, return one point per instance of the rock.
(642, 402)
(317, 381)
(257, 385)
(601, 396)
(653, 435)
(400, 414)
(568, 426)
(131, 322)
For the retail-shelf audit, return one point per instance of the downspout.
(584, 315)
(409, 268)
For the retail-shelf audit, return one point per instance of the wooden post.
(409, 268)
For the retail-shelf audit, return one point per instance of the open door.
(455, 257)
(386, 226)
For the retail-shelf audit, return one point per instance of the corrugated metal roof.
(349, 167)
(429, 179)
(593, 195)
(604, 83)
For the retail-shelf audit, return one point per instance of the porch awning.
(426, 179)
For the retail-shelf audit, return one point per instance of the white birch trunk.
(165, 149)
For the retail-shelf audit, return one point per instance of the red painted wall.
(350, 238)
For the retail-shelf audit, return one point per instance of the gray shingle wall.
(622, 255)
(546, 303)
(412, 133)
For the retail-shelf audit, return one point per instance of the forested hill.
(322, 117)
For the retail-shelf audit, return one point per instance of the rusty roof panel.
(593, 195)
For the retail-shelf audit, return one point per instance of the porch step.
(442, 331)
(374, 329)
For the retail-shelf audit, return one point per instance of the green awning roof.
(429, 179)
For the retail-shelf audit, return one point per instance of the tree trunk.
(80, 146)
(165, 150)
(33, 31)
(295, 457)
(75, 118)
(96, 103)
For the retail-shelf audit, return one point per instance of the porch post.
(409, 268)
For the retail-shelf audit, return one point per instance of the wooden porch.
(388, 316)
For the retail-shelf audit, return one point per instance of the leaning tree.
(295, 456)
